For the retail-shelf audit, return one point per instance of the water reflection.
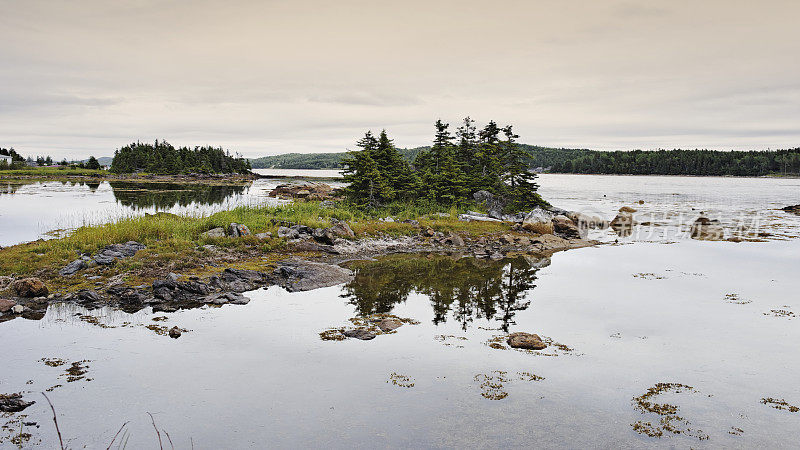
(462, 288)
(168, 195)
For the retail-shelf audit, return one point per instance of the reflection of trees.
(467, 288)
(167, 195)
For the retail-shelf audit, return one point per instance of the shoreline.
(168, 275)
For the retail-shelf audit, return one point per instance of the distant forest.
(163, 158)
(567, 160)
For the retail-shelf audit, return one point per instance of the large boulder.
(538, 220)
(341, 229)
(303, 191)
(494, 204)
(706, 229)
(30, 287)
(526, 341)
(564, 226)
(624, 222)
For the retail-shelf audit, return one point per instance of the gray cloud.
(270, 77)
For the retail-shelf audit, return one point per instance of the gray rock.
(264, 236)
(238, 230)
(389, 324)
(227, 297)
(360, 333)
(12, 403)
(301, 275)
(17, 309)
(214, 233)
(73, 267)
(526, 341)
(341, 229)
(494, 204)
(476, 218)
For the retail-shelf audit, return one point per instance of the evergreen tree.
(92, 163)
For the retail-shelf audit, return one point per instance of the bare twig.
(115, 436)
(55, 420)
(169, 438)
(158, 433)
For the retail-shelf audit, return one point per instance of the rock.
(73, 267)
(389, 324)
(538, 220)
(623, 223)
(85, 296)
(360, 333)
(494, 204)
(185, 291)
(627, 209)
(792, 209)
(238, 230)
(238, 280)
(341, 229)
(286, 232)
(412, 222)
(11, 403)
(565, 227)
(427, 232)
(496, 256)
(6, 305)
(327, 204)
(214, 233)
(304, 191)
(30, 287)
(707, 229)
(17, 309)
(129, 296)
(110, 254)
(526, 341)
(476, 218)
(301, 275)
(233, 298)
(454, 240)
(264, 236)
(5, 282)
(175, 332)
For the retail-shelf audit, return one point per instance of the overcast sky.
(268, 77)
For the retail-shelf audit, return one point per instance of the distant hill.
(574, 160)
(542, 157)
(315, 160)
(103, 160)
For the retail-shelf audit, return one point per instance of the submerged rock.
(360, 333)
(175, 332)
(389, 324)
(792, 209)
(526, 341)
(30, 287)
(11, 403)
(706, 229)
(233, 298)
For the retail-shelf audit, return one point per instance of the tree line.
(684, 162)
(448, 173)
(162, 158)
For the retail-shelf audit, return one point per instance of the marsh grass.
(170, 237)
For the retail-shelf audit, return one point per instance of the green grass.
(52, 171)
(172, 236)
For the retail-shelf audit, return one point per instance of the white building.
(5, 158)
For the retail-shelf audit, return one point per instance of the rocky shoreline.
(311, 260)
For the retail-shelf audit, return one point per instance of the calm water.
(652, 311)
